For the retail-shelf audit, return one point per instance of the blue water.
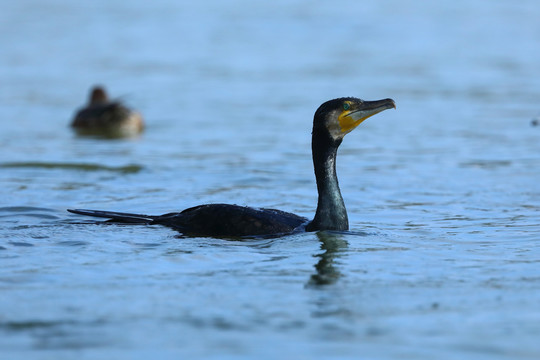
(442, 259)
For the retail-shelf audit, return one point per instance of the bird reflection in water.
(333, 246)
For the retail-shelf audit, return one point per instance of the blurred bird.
(103, 117)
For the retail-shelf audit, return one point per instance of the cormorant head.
(339, 117)
(98, 95)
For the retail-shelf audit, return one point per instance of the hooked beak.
(349, 120)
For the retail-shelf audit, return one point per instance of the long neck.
(331, 213)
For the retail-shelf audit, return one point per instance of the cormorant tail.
(116, 216)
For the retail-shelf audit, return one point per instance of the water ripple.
(126, 169)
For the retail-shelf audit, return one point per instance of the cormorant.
(332, 121)
(106, 118)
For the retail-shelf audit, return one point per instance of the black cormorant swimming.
(332, 121)
(102, 117)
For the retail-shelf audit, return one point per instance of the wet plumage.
(332, 121)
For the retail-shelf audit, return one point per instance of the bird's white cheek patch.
(335, 131)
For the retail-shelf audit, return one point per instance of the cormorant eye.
(346, 106)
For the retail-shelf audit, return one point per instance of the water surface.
(442, 260)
